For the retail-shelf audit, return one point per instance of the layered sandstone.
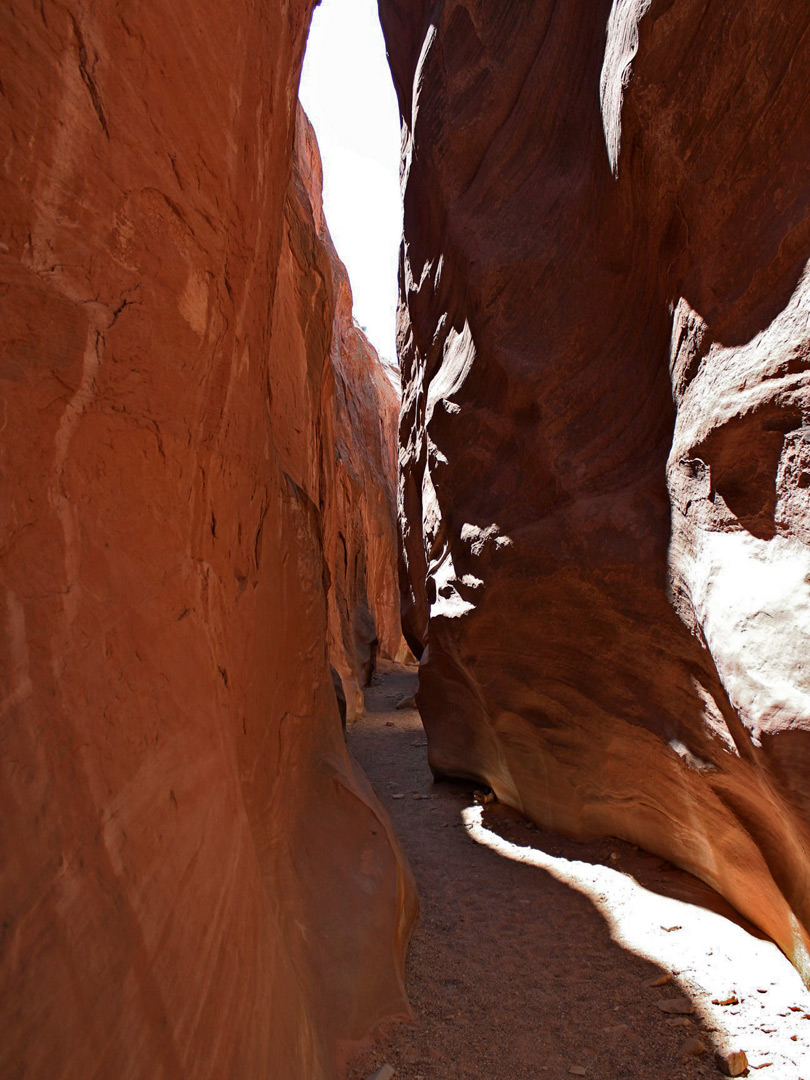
(195, 879)
(358, 426)
(604, 331)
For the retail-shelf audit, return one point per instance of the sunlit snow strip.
(711, 956)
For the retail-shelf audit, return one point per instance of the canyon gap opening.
(347, 92)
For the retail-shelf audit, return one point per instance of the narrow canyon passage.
(587, 516)
(513, 974)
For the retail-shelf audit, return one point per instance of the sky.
(347, 93)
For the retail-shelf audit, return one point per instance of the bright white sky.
(347, 92)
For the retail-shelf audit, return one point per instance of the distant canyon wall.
(605, 495)
(345, 455)
(195, 879)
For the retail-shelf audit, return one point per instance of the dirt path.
(525, 970)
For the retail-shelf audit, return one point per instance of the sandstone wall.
(362, 546)
(359, 421)
(604, 329)
(346, 453)
(195, 880)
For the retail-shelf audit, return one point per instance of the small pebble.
(731, 1062)
(676, 1006)
(661, 980)
(693, 1047)
(616, 1029)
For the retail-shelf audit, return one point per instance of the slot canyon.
(229, 546)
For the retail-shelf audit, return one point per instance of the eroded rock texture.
(606, 489)
(346, 453)
(195, 880)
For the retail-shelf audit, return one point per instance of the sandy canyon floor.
(537, 958)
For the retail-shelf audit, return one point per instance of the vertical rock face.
(344, 458)
(605, 498)
(195, 880)
(358, 425)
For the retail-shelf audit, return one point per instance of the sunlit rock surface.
(195, 880)
(605, 493)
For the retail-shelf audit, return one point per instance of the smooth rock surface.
(605, 487)
(195, 879)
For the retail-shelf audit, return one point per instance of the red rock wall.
(195, 880)
(344, 458)
(358, 424)
(604, 333)
(364, 600)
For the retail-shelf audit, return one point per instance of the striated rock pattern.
(605, 494)
(195, 879)
(344, 458)
(359, 420)
(361, 527)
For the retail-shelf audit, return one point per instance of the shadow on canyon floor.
(534, 956)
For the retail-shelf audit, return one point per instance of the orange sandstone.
(196, 881)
